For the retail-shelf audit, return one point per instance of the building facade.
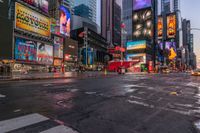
(86, 9)
(127, 9)
(111, 22)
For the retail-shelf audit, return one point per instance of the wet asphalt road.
(146, 103)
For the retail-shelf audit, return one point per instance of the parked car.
(196, 72)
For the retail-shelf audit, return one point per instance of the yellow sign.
(32, 21)
(172, 54)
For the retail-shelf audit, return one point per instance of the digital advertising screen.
(171, 26)
(136, 45)
(169, 45)
(32, 21)
(141, 4)
(160, 27)
(25, 50)
(65, 21)
(143, 25)
(58, 47)
(40, 4)
(136, 57)
(44, 53)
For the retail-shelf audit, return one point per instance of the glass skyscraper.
(86, 9)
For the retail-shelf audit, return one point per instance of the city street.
(140, 103)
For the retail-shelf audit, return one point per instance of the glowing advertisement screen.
(58, 47)
(65, 20)
(25, 50)
(141, 4)
(44, 54)
(169, 45)
(160, 27)
(136, 45)
(136, 57)
(171, 26)
(40, 4)
(143, 25)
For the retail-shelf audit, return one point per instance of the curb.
(45, 78)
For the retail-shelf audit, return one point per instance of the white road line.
(59, 129)
(19, 122)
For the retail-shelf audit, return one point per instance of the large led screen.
(136, 45)
(40, 4)
(171, 26)
(32, 21)
(65, 20)
(143, 25)
(141, 4)
(160, 27)
(25, 50)
(44, 54)
(169, 45)
(141, 57)
(58, 47)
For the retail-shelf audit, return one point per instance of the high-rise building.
(176, 5)
(86, 9)
(111, 21)
(186, 40)
(166, 6)
(127, 6)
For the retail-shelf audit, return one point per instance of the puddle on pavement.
(2, 96)
(90, 93)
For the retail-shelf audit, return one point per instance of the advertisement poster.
(141, 4)
(136, 45)
(160, 27)
(90, 56)
(57, 62)
(171, 26)
(171, 48)
(136, 57)
(65, 20)
(25, 50)
(58, 47)
(32, 21)
(143, 25)
(44, 54)
(40, 4)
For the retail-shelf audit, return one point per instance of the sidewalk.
(37, 76)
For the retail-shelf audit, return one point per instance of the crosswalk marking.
(60, 129)
(20, 122)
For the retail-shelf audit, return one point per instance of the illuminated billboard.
(141, 57)
(58, 47)
(143, 25)
(160, 27)
(40, 4)
(171, 26)
(136, 45)
(32, 21)
(65, 21)
(44, 53)
(171, 49)
(141, 4)
(25, 50)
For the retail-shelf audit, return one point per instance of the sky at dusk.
(190, 10)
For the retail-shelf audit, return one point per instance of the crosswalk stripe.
(59, 129)
(20, 122)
